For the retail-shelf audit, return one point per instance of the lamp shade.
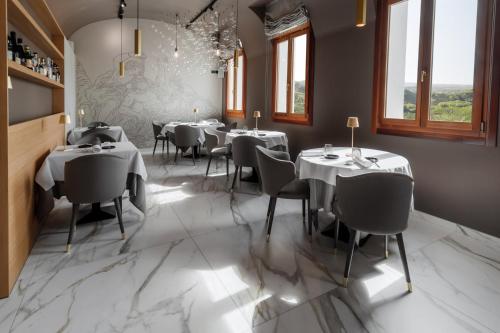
(361, 13)
(64, 119)
(81, 112)
(352, 122)
(256, 114)
(195, 110)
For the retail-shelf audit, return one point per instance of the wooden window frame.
(289, 117)
(483, 126)
(233, 112)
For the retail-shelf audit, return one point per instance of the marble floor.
(198, 262)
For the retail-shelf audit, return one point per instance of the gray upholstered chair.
(100, 132)
(279, 180)
(211, 120)
(95, 178)
(95, 139)
(95, 124)
(376, 203)
(214, 141)
(157, 127)
(244, 155)
(186, 137)
(228, 127)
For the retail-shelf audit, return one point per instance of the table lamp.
(195, 111)
(352, 123)
(256, 115)
(63, 120)
(81, 114)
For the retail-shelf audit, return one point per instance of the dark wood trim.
(232, 112)
(485, 104)
(289, 116)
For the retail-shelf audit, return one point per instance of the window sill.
(292, 120)
(235, 114)
(456, 136)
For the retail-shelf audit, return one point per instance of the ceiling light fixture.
(236, 44)
(176, 52)
(121, 67)
(361, 14)
(137, 35)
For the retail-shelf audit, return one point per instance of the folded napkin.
(362, 161)
(96, 148)
(312, 153)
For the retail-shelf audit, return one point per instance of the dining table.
(201, 126)
(272, 139)
(50, 177)
(322, 171)
(115, 132)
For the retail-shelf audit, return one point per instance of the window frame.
(482, 129)
(289, 117)
(233, 112)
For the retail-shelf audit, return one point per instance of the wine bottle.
(13, 41)
(10, 52)
(28, 56)
(20, 59)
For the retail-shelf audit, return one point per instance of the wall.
(455, 181)
(156, 86)
(69, 83)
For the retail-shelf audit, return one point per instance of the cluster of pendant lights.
(137, 37)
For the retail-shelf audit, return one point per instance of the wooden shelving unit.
(25, 73)
(23, 146)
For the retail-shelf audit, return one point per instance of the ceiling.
(327, 16)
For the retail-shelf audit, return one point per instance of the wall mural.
(154, 87)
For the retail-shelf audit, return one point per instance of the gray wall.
(456, 181)
(156, 85)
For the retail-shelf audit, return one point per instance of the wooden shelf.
(24, 22)
(25, 73)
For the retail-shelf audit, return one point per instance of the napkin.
(96, 149)
(362, 161)
(312, 153)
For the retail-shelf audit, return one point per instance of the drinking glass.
(328, 149)
(245, 128)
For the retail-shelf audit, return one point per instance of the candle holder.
(256, 115)
(195, 111)
(64, 119)
(81, 114)
(352, 123)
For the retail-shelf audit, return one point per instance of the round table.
(271, 138)
(322, 172)
(202, 125)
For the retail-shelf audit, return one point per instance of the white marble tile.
(166, 287)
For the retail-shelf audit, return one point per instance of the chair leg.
(269, 209)
(336, 234)
(72, 225)
(168, 147)
(163, 147)
(386, 246)
(271, 217)
(118, 209)
(208, 166)
(227, 166)
(402, 253)
(154, 149)
(193, 151)
(310, 219)
(176, 153)
(235, 176)
(350, 252)
(303, 211)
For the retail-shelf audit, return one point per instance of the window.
(236, 87)
(291, 76)
(431, 68)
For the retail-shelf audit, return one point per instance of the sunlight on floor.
(290, 300)
(232, 282)
(382, 281)
(167, 194)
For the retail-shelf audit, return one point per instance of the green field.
(448, 103)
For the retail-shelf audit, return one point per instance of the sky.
(454, 41)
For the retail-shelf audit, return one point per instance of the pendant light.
(236, 43)
(176, 51)
(121, 68)
(361, 14)
(138, 42)
(217, 51)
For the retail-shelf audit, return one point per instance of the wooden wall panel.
(29, 143)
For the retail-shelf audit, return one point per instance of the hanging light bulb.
(217, 52)
(361, 14)
(121, 66)
(176, 51)
(137, 36)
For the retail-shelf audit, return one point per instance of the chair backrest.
(89, 139)
(275, 169)
(157, 127)
(95, 178)
(378, 203)
(100, 132)
(186, 136)
(243, 150)
(97, 124)
(211, 140)
(211, 120)
(232, 126)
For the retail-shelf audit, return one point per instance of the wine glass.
(328, 149)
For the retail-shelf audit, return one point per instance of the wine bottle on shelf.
(35, 60)
(10, 51)
(20, 59)
(13, 42)
(28, 56)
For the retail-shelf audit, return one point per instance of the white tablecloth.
(271, 138)
(116, 132)
(202, 125)
(52, 169)
(322, 173)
